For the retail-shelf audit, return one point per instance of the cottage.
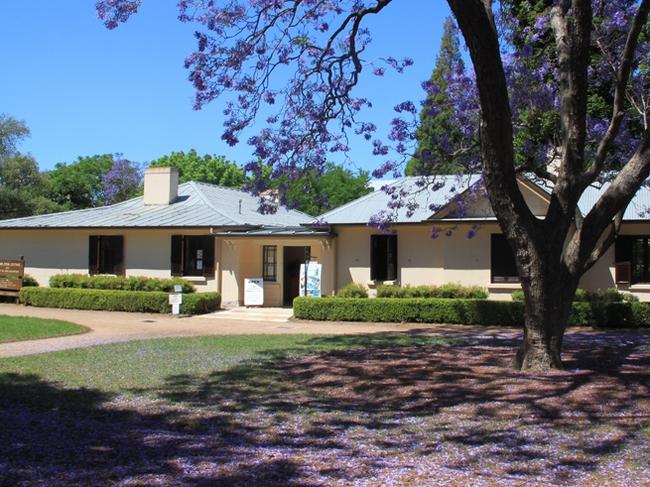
(216, 238)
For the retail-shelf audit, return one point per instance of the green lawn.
(289, 410)
(144, 366)
(16, 328)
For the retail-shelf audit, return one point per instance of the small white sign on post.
(254, 291)
(176, 300)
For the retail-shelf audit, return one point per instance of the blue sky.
(85, 90)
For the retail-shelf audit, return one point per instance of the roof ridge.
(206, 200)
(356, 201)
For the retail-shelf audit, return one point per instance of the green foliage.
(79, 185)
(352, 290)
(208, 168)
(416, 310)
(449, 290)
(29, 281)
(119, 283)
(315, 194)
(109, 300)
(463, 311)
(606, 296)
(12, 132)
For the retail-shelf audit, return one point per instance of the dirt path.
(112, 327)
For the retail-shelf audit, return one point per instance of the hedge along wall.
(103, 300)
(462, 311)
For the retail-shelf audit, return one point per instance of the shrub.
(604, 296)
(449, 290)
(352, 290)
(422, 310)
(463, 311)
(119, 283)
(29, 281)
(111, 300)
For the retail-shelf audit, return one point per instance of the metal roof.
(361, 210)
(197, 205)
(638, 209)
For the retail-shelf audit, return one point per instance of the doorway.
(293, 257)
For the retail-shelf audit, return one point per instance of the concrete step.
(274, 315)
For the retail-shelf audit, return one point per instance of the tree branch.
(620, 88)
(476, 21)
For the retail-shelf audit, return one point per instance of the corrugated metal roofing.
(638, 209)
(197, 205)
(363, 209)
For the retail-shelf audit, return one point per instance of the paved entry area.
(269, 315)
(110, 327)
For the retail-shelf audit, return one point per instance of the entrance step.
(273, 315)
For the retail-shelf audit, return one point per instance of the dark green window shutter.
(208, 256)
(93, 255)
(391, 258)
(177, 255)
(117, 255)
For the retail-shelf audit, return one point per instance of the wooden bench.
(11, 277)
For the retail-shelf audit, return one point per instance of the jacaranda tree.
(578, 69)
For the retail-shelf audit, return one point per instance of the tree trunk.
(548, 301)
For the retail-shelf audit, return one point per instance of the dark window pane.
(503, 266)
(269, 262)
(177, 255)
(383, 257)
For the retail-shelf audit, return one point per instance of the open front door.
(293, 257)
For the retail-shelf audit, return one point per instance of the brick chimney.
(160, 185)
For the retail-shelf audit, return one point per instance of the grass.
(17, 328)
(379, 409)
(144, 365)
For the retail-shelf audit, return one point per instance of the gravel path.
(112, 327)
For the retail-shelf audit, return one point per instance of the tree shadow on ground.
(382, 408)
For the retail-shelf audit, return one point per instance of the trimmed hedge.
(353, 290)
(462, 311)
(449, 290)
(109, 300)
(119, 283)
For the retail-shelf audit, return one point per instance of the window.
(192, 255)
(106, 255)
(632, 255)
(269, 263)
(383, 257)
(503, 266)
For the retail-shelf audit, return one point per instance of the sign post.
(176, 299)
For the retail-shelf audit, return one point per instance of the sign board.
(11, 284)
(178, 288)
(310, 279)
(12, 268)
(11, 276)
(254, 292)
(176, 300)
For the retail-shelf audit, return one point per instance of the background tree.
(122, 182)
(241, 46)
(79, 184)
(21, 183)
(439, 135)
(315, 194)
(12, 132)
(208, 168)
